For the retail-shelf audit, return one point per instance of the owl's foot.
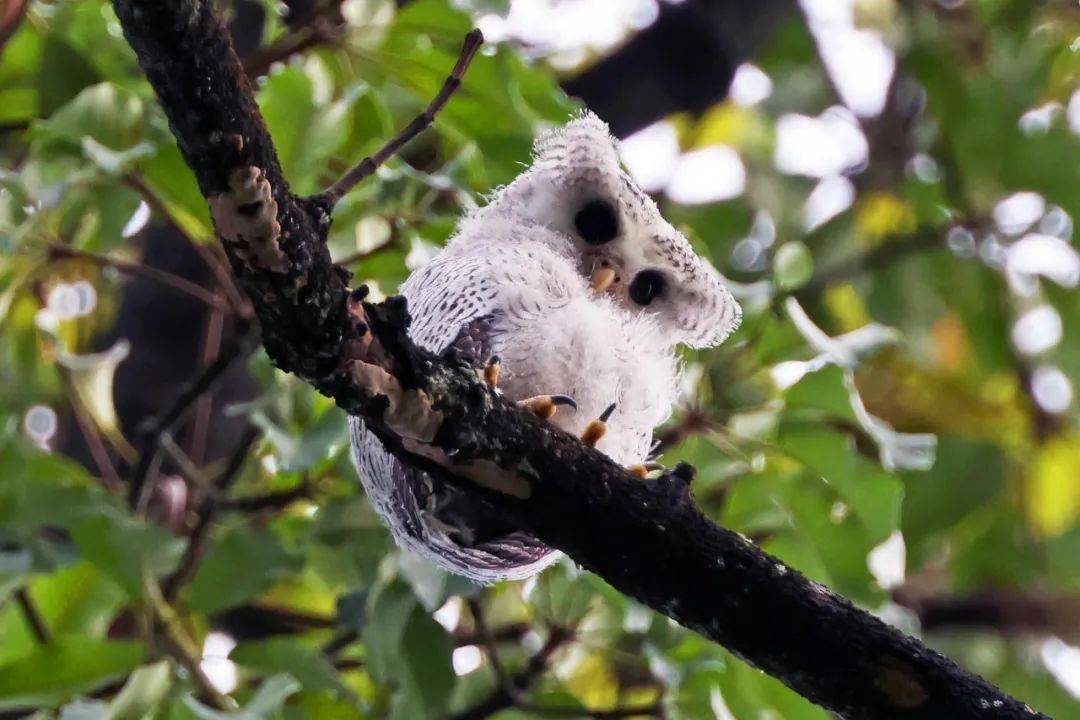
(642, 470)
(491, 372)
(544, 406)
(596, 429)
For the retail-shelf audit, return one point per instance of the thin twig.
(319, 31)
(393, 243)
(215, 259)
(269, 501)
(630, 711)
(187, 467)
(473, 40)
(211, 254)
(140, 490)
(200, 426)
(339, 642)
(87, 428)
(488, 644)
(165, 279)
(33, 616)
(507, 633)
(182, 647)
(236, 461)
(199, 538)
(504, 697)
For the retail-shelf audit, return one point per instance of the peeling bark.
(645, 537)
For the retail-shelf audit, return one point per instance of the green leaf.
(218, 585)
(823, 390)
(142, 693)
(319, 441)
(53, 673)
(173, 182)
(75, 600)
(266, 703)
(305, 133)
(873, 494)
(966, 477)
(287, 655)
(111, 116)
(792, 266)
(126, 549)
(112, 161)
(63, 73)
(412, 651)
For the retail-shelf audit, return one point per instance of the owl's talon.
(642, 470)
(544, 406)
(596, 429)
(491, 372)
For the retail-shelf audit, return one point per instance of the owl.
(572, 289)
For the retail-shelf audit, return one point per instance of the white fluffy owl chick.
(571, 278)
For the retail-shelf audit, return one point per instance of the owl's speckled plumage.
(514, 282)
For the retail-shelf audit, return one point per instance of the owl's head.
(576, 188)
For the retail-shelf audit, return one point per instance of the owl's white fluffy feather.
(521, 266)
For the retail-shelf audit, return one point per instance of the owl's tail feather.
(443, 524)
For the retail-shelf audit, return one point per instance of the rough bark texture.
(647, 538)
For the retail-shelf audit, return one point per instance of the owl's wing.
(449, 295)
(453, 301)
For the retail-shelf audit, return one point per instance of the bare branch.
(318, 31)
(270, 501)
(182, 647)
(110, 478)
(165, 279)
(629, 711)
(139, 490)
(368, 165)
(486, 641)
(506, 695)
(199, 538)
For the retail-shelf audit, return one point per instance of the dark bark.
(683, 62)
(647, 538)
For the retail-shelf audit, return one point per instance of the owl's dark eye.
(596, 222)
(646, 285)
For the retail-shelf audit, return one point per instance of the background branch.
(683, 62)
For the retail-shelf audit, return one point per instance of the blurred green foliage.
(810, 441)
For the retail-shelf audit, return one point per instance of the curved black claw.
(597, 428)
(544, 406)
(563, 400)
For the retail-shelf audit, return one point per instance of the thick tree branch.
(647, 538)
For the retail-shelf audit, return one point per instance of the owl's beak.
(601, 279)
